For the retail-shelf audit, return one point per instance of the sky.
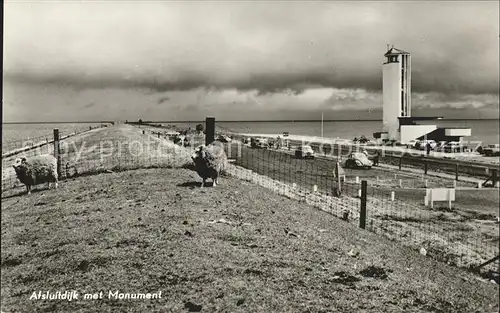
(242, 60)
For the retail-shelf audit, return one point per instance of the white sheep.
(36, 170)
(210, 161)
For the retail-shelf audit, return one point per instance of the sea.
(15, 135)
(486, 131)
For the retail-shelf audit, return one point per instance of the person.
(429, 148)
(376, 158)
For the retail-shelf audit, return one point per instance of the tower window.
(392, 59)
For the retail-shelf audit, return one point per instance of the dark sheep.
(210, 161)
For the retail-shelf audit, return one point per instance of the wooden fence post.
(56, 151)
(425, 168)
(456, 171)
(209, 130)
(362, 214)
(337, 174)
(400, 162)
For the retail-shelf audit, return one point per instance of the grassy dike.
(234, 248)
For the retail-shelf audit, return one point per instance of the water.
(482, 130)
(13, 135)
(486, 131)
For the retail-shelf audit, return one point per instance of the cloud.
(163, 99)
(434, 100)
(243, 60)
(89, 105)
(269, 47)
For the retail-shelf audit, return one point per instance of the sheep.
(210, 161)
(36, 170)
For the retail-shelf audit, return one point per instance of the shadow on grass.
(195, 184)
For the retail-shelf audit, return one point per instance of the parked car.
(260, 143)
(452, 146)
(491, 150)
(422, 144)
(224, 138)
(369, 143)
(305, 152)
(358, 160)
(373, 155)
(413, 143)
(440, 146)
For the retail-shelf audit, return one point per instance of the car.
(305, 152)
(260, 143)
(440, 146)
(224, 138)
(491, 150)
(422, 145)
(373, 155)
(358, 160)
(413, 143)
(371, 143)
(452, 146)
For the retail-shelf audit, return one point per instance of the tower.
(396, 88)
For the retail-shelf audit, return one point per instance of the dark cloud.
(89, 105)
(268, 47)
(163, 99)
(270, 53)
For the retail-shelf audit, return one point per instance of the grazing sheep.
(209, 162)
(36, 170)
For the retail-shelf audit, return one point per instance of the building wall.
(460, 132)
(405, 60)
(391, 84)
(411, 132)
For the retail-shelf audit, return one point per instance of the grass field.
(153, 230)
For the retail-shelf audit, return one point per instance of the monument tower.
(396, 85)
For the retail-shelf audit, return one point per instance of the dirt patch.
(375, 272)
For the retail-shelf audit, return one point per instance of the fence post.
(456, 171)
(209, 130)
(56, 151)
(425, 167)
(362, 214)
(337, 175)
(400, 162)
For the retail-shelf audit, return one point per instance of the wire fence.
(12, 145)
(465, 235)
(33, 147)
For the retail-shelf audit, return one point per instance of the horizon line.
(231, 121)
